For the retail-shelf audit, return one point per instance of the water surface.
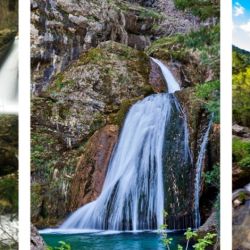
(114, 241)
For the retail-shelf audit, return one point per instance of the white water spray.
(168, 76)
(9, 80)
(199, 163)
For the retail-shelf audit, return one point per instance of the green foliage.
(242, 196)
(202, 8)
(9, 194)
(241, 151)
(245, 162)
(146, 12)
(205, 43)
(62, 246)
(241, 59)
(241, 86)
(212, 177)
(208, 240)
(209, 94)
(241, 93)
(201, 243)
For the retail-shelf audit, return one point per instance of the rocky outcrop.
(99, 84)
(62, 30)
(92, 167)
(8, 232)
(210, 226)
(36, 240)
(241, 219)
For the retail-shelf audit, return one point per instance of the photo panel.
(125, 124)
(241, 124)
(8, 124)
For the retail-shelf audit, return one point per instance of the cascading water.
(198, 174)
(9, 81)
(132, 197)
(9, 74)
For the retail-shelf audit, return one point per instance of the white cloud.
(246, 26)
(238, 9)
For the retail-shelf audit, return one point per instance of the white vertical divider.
(226, 124)
(24, 125)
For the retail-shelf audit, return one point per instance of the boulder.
(241, 219)
(36, 240)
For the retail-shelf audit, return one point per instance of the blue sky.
(241, 24)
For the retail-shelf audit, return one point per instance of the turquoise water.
(120, 241)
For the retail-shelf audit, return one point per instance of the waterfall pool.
(110, 240)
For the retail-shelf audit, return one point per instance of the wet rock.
(210, 226)
(36, 240)
(92, 167)
(241, 220)
(156, 78)
(241, 131)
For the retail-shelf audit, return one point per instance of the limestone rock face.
(91, 91)
(91, 169)
(62, 30)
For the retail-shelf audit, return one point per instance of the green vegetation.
(9, 194)
(200, 243)
(241, 152)
(241, 87)
(204, 44)
(241, 100)
(209, 94)
(201, 8)
(212, 177)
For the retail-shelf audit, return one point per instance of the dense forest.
(241, 146)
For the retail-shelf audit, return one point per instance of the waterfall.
(172, 84)
(132, 197)
(9, 75)
(132, 194)
(199, 172)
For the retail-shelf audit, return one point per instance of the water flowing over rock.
(153, 145)
(132, 195)
(9, 76)
(198, 176)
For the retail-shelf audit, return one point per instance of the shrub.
(241, 151)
